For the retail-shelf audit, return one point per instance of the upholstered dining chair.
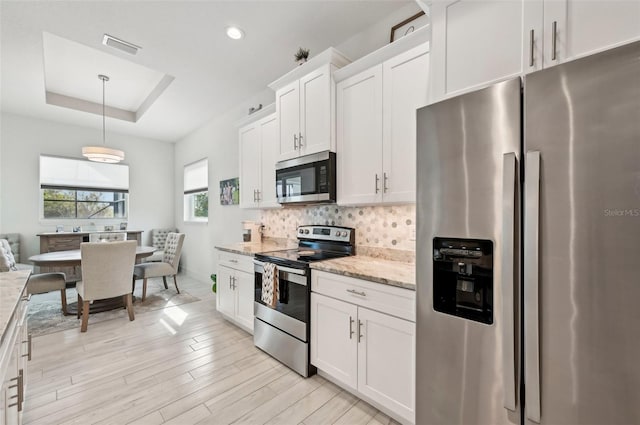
(167, 267)
(107, 237)
(158, 240)
(38, 283)
(106, 273)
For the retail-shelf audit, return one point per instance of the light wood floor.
(181, 365)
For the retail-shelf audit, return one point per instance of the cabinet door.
(474, 43)
(244, 295)
(9, 415)
(334, 338)
(585, 27)
(359, 138)
(225, 301)
(269, 137)
(288, 112)
(315, 111)
(386, 361)
(405, 85)
(249, 165)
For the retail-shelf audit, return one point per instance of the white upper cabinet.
(359, 134)
(249, 165)
(317, 95)
(478, 42)
(586, 27)
(305, 99)
(376, 129)
(474, 42)
(288, 116)
(405, 87)
(258, 157)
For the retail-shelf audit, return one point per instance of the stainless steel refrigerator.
(528, 249)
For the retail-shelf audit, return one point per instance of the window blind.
(69, 173)
(196, 177)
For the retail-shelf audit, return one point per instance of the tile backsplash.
(377, 226)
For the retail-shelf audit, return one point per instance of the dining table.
(73, 258)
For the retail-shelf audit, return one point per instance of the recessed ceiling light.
(235, 33)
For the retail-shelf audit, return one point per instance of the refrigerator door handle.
(531, 311)
(508, 261)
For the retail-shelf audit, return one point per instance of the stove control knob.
(301, 231)
(344, 233)
(306, 231)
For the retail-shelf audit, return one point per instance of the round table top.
(72, 257)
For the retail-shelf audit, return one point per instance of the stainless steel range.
(283, 331)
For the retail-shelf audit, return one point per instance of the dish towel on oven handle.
(270, 285)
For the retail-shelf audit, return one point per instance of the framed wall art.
(408, 26)
(230, 191)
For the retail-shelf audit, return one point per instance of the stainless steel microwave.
(307, 179)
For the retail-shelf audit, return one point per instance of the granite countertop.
(389, 272)
(11, 286)
(268, 244)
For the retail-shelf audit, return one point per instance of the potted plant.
(214, 287)
(301, 55)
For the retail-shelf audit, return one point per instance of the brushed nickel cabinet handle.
(28, 342)
(531, 41)
(384, 183)
(299, 140)
(360, 330)
(377, 181)
(295, 142)
(554, 40)
(353, 291)
(351, 327)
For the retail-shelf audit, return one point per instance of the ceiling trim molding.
(86, 106)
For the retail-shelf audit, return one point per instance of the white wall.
(377, 35)
(216, 140)
(151, 178)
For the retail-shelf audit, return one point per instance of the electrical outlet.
(412, 234)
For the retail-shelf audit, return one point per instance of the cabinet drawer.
(375, 296)
(236, 261)
(64, 243)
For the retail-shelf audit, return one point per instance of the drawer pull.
(360, 330)
(353, 291)
(233, 261)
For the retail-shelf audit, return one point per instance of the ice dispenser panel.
(463, 278)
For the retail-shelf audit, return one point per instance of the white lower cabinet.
(369, 352)
(235, 292)
(14, 354)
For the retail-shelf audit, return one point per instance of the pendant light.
(102, 153)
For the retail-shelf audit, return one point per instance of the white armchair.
(167, 267)
(106, 273)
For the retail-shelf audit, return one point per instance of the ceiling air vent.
(116, 43)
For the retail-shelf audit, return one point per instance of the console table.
(65, 241)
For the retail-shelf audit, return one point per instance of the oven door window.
(296, 181)
(293, 301)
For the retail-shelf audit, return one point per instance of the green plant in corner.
(301, 55)
(214, 286)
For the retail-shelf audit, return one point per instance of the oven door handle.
(283, 269)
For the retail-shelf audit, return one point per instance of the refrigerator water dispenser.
(463, 278)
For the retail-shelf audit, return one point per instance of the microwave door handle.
(531, 286)
(508, 279)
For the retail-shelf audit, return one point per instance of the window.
(196, 191)
(79, 189)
